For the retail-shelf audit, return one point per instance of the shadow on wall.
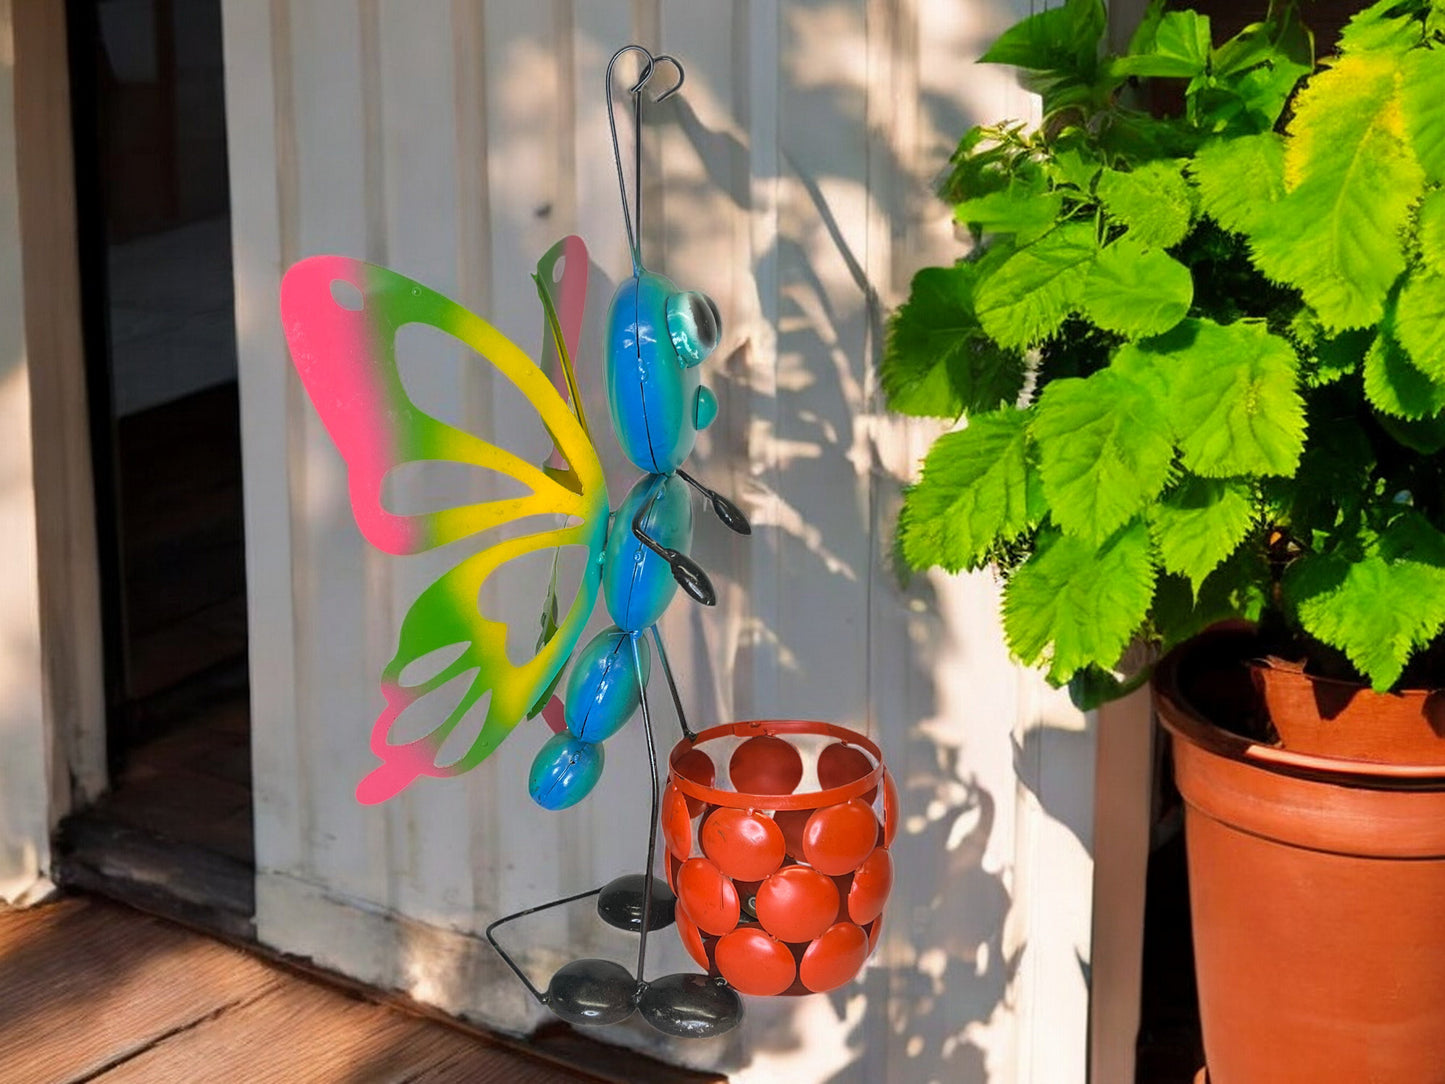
(810, 598)
(935, 1002)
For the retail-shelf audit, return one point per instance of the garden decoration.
(341, 318)
(1201, 352)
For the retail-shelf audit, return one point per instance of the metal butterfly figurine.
(341, 317)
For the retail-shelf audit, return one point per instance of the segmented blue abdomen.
(564, 771)
(603, 689)
(636, 583)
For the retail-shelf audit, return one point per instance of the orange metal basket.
(777, 837)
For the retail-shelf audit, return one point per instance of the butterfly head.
(657, 339)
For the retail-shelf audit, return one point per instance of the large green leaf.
(1252, 101)
(1199, 523)
(1136, 291)
(1018, 210)
(1147, 28)
(1376, 610)
(988, 158)
(1174, 45)
(1234, 400)
(1104, 451)
(1152, 201)
(1384, 26)
(973, 494)
(1422, 93)
(1240, 178)
(1252, 74)
(1074, 166)
(1337, 235)
(937, 361)
(1072, 605)
(1430, 233)
(1419, 323)
(1063, 38)
(1030, 294)
(1279, 43)
(1395, 386)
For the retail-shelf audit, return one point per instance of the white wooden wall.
(24, 803)
(455, 141)
(52, 737)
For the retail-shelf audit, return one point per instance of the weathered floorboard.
(84, 985)
(95, 993)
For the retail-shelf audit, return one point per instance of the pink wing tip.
(400, 770)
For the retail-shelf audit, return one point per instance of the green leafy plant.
(1201, 356)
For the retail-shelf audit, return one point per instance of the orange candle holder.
(777, 836)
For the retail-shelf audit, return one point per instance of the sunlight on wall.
(24, 767)
(24, 770)
(790, 181)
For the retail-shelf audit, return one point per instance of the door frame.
(69, 625)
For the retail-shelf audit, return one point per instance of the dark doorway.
(155, 240)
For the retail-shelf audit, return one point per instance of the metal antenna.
(634, 214)
(635, 90)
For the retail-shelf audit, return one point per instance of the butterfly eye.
(694, 326)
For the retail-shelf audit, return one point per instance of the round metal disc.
(592, 992)
(690, 1006)
(620, 903)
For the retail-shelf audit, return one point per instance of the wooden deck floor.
(93, 991)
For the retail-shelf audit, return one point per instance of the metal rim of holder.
(772, 728)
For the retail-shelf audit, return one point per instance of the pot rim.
(1182, 720)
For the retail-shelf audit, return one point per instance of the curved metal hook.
(681, 76)
(649, 67)
(635, 90)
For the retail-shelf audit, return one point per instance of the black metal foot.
(690, 1006)
(620, 903)
(592, 992)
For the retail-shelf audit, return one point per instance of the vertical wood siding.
(25, 788)
(455, 141)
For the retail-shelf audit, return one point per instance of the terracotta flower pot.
(780, 889)
(1317, 886)
(1346, 719)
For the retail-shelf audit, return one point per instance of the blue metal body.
(603, 689)
(652, 376)
(657, 336)
(564, 771)
(637, 585)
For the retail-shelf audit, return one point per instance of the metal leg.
(651, 824)
(731, 515)
(672, 686)
(507, 959)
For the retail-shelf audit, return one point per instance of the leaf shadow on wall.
(941, 974)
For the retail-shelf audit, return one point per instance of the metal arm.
(731, 515)
(687, 572)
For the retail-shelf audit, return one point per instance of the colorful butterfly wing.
(341, 317)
